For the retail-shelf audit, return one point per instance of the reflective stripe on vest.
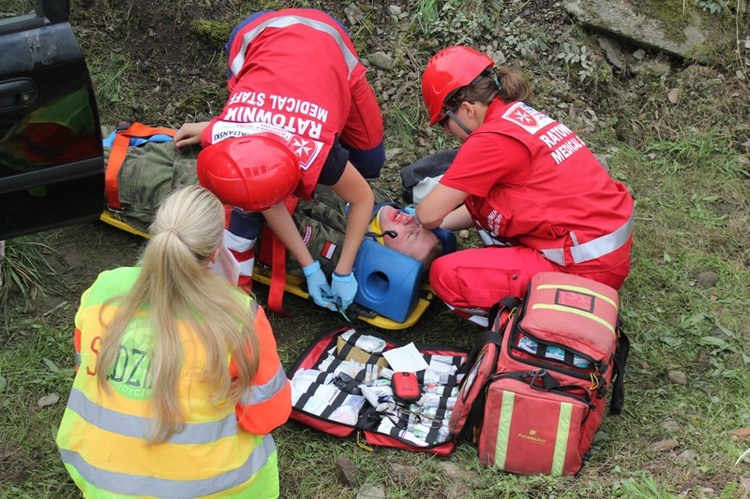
(120, 483)
(258, 394)
(140, 427)
(596, 248)
(283, 22)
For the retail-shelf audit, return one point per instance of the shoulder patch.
(328, 250)
(527, 118)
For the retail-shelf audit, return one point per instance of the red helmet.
(252, 173)
(448, 70)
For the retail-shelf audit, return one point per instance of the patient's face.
(412, 240)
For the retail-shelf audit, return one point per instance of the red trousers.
(471, 281)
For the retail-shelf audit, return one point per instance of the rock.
(677, 377)
(371, 491)
(674, 30)
(50, 399)
(381, 60)
(72, 259)
(664, 445)
(687, 455)
(347, 472)
(602, 158)
(674, 95)
(353, 14)
(613, 52)
(670, 426)
(394, 9)
(601, 436)
(740, 432)
(655, 67)
(707, 279)
(639, 54)
(454, 471)
(392, 153)
(404, 475)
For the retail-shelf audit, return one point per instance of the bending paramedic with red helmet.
(538, 196)
(300, 113)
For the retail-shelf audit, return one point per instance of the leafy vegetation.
(680, 141)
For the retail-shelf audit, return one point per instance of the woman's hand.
(189, 134)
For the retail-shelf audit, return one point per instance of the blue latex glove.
(411, 210)
(343, 289)
(317, 286)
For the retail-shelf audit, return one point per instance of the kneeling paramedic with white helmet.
(300, 113)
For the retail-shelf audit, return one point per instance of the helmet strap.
(458, 122)
(379, 236)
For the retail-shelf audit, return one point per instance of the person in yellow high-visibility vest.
(178, 383)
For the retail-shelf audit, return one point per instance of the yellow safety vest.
(102, 437)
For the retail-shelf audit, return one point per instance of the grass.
(25, 269)
(689, 174)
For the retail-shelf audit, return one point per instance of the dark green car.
(51, 164)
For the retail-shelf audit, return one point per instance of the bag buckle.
(122, 125)
(116, 214)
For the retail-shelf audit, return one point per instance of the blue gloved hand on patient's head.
(317, 286)
(411, 210)
(343, 288)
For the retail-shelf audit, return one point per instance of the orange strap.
(278, 267)
(118, 153)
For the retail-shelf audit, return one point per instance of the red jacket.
(568, 207)
(291, 73)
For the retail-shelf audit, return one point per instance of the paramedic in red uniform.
(295, 80)
(538, 196)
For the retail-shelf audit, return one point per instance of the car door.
(51, 163)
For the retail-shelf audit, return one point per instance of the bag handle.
(496, 310)
(618, 376)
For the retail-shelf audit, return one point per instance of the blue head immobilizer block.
(448, 239)
(388, 281)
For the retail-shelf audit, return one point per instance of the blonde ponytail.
(179, 291)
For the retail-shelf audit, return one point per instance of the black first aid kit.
(391, 394)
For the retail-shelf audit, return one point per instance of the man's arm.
(280, 221)
(457, 219)
(440, 202)
(355, 190)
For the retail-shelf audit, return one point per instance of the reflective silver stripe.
(282, 22)
(489, 240)
(121, 483)
(603, 245)
(140, 427)
(480, 320)
(261, 393)
(554, 255)
(596, 248)
(246, 267)
(237, 243)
